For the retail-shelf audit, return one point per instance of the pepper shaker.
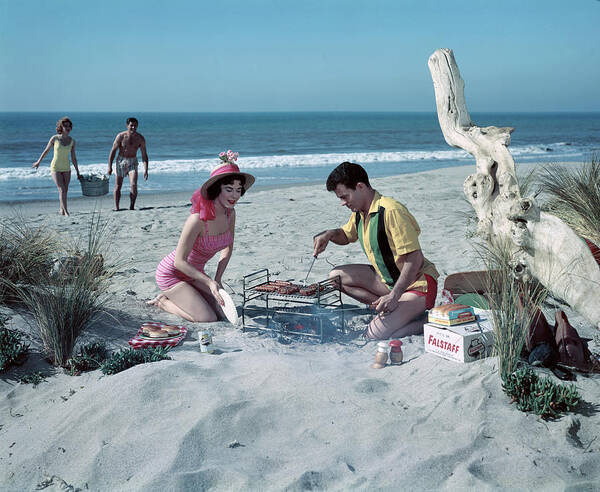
(396, 352)
(381, 356)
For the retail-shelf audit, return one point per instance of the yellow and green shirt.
(387, 233)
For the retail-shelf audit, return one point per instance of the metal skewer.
(309, 269)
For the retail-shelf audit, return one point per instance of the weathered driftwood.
(544, 246)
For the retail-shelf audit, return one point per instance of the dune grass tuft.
(63, 300)
(513, 304)
(573, 195)
(26, 254)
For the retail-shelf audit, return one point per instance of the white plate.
(229, 308)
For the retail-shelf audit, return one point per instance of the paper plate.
(229, 308)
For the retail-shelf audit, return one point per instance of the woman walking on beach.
(60, 167)
(187, 290)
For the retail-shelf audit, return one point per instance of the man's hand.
(385, 304)
(145, 174)
(320, 242)
(109, 169)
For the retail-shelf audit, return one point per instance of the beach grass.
(512, 301)
(26, 254)
(64, 299)
(573, 195)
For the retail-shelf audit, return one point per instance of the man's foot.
(131, 207)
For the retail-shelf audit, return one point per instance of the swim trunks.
(125, 165)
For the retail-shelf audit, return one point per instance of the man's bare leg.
(117, 191)
(360, 282)
(133, 177)
(403, 321)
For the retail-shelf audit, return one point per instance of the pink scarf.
(202, 206)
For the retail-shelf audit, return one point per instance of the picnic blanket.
(139, 341)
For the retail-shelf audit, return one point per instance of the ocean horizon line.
(503, 112)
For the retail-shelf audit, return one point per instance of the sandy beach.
(269, 413)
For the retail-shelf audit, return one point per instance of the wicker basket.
(93, 187)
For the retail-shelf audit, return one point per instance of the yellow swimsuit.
(60, 161)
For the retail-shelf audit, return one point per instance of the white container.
(461, 343)
(205, 341)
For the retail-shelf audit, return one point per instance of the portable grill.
(294, 314)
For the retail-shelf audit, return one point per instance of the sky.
(295, 55)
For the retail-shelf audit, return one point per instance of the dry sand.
(265, 414)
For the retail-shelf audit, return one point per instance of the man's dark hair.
(347, 174)
(132, 119)
(214, 189)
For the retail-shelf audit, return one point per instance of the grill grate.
(273, 304)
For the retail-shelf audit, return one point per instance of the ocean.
(278, 148)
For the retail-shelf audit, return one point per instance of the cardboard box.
(462, 343)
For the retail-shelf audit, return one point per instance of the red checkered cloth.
(137, 342)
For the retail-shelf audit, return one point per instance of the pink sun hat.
(223, 170)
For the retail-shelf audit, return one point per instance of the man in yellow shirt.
(400, 283)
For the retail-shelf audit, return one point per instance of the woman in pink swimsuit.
(187, 290)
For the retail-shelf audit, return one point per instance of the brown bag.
(539, 332)
(572, 350)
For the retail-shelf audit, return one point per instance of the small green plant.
(12, 350)
(540, 395)
(126, 358)
(34, 378)
(90, 357)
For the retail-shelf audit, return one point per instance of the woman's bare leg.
(62, 179)
(360, 282)
(187, 302)
(402, 321)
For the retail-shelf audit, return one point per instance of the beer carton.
(463, 343)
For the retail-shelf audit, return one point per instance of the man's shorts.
(125, 165)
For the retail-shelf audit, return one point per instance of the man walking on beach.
(128, 143)
(400, 283)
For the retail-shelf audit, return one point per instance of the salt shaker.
(396, 352)
(381, 356)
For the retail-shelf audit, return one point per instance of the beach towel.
(139, 341)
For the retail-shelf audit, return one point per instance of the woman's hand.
(36, 164)
(214, 289)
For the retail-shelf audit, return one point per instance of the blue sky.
(268, 55)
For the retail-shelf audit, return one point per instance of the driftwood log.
(543, 246)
